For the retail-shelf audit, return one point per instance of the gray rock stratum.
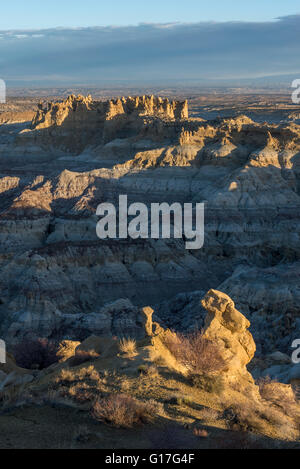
(57, 278)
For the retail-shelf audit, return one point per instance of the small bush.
(127, 346)
(209, 414)
(180, 401)
(197, 353)
(121, 410)
(276, 392)
(81, 393)
(238, 418)
(149, 371)
(246, 417)
(67, 376)
(81, 385)
(36, 354)
(210, 384)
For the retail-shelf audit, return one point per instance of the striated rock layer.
(55, 273)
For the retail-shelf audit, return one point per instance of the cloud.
(148, 52)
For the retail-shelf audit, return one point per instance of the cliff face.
(99, 122)
(247, 173)
(80, 109)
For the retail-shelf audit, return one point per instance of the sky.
(37, 14)
(94, 42)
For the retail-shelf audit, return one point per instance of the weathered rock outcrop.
(98, 122)
(76, 110)
(228, 329)
(120, 318)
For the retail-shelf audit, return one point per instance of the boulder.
(228, 328)
(145, 319)
(279, 358)
(103, 346)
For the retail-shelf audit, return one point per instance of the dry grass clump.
(82, 386)
(180, 401)
(149, 371)
(210, 384)
(67, 375)
(209, 414)
(81, 393)
(282, 410)
(198, 354)
(128, 346)
(124, 411)
(254, 417)
(243, 418)
(277, 393)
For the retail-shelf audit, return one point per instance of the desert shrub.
(195, 352)
(67, 375)
(185, 401)
(36, 354)
(281, 400)
(127, 346)
(275, 392)
(257, 417)
(275, 416)
(180, 401)
(207, 413)
(82, 356)
(149, 371)
(242, 418)
(252, 417)
(210, 384)
(121, 410)
(81, 385)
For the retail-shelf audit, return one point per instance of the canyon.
(58, 280)
(195, 343)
